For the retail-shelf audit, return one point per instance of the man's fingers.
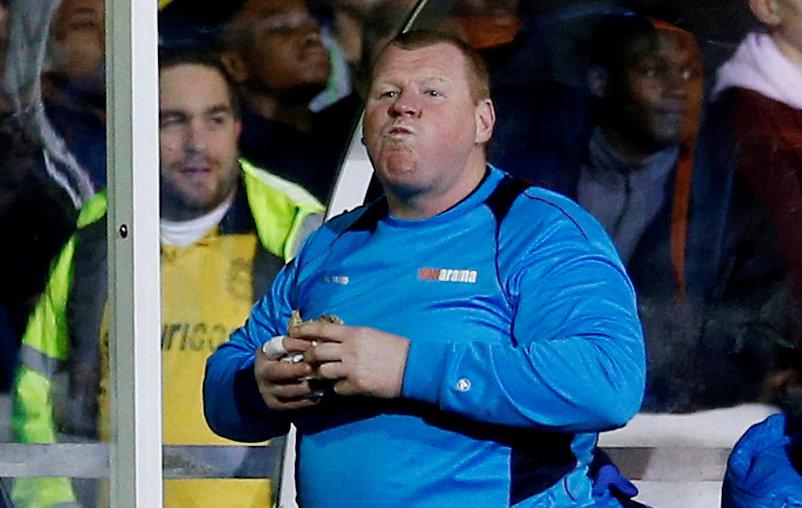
(324, 352)
(320, 331)
(293, 344)
(295, 404)
(280, 345)
(276, 371)
(345, 388)
(289, 392)
(332, 370)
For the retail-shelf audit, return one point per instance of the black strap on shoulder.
(507, 191)
(370, 217)
(502, 198)
(500, 201)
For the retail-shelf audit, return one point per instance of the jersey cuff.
(246, 392)
(426, 365)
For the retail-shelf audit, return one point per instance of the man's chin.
(403, 189)
(667, 135)
(668, 141)
(195, 203)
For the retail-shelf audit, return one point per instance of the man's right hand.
(281, 383)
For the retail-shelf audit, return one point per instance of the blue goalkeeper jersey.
(524, 344)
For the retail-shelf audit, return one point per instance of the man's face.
(421, 124)
(198, 134)
(649, 104)
(283, 50)
(79, 36)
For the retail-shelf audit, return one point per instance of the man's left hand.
(361, 360)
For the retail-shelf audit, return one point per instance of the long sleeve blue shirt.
(524, 344)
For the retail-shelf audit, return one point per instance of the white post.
(133, 228)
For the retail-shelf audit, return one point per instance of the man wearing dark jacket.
(629, 152)
(274, 52)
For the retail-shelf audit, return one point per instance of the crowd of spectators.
(692, 161)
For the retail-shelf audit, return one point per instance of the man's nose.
(678, 82)
(196, 136)
(311, 33)
(310, 30)
(405, 105)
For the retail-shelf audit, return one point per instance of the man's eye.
(688, 74)
(170, 122)
(285, 23)
(388, 94)
(650, 71)
(83, 24)
(218, 120)
(432, 93)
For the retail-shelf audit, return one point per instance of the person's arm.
(578, 364)
(44, 347)
(233, 405)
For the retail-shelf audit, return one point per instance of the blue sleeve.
(232, 404)
(576, 362)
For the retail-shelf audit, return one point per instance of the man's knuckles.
(282, 371)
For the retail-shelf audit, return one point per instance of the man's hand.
(361, 361)
(281, 383)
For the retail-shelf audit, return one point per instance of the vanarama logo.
(447, 275)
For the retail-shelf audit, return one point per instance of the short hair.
(478, 75)
(183, 54)
(612, 45)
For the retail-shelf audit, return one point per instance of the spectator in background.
(36, 218)
(274, 52)
(74, 84)
(638, 166)
(759, 90)
(226, 229)
(41, 182)
(647, 83)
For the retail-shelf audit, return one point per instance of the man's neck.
(183, 229)
(291, 109)
(631, 152)
(789, 50)
(428, 204)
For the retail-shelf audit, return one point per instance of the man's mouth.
(398, 131)
(672, 114)
(195, 171)
(314, 52)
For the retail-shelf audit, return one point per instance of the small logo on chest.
(447, 275)
(336, 279)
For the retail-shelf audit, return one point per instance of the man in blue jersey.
(490, 329)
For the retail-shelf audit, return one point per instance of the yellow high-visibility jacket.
(208, 289)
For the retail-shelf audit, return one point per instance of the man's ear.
(235, 65)
(598, 81)
(485, 116)
(766, 11)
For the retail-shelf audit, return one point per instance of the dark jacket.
(706, 269)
